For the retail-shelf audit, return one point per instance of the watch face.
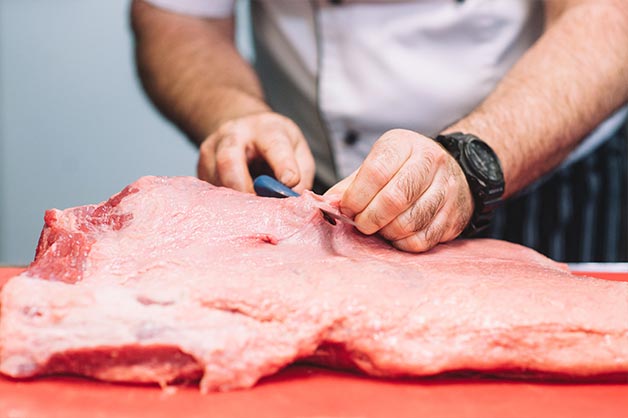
(484, 161)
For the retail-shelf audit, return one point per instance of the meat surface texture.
(174, 279)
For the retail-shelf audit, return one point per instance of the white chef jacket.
(347, 71)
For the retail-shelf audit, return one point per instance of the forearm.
(562, 88)
(192, 71)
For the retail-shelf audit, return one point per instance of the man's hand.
(243, 148)
(410, 190)
(192, 70)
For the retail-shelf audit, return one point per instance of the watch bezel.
(480, 171)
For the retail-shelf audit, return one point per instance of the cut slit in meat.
(175, 280)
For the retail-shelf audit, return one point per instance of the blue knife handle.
(267, 186)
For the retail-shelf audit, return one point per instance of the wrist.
(506, 148)
(482, 170)
(227, 105)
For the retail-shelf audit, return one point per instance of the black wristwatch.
(481, 167)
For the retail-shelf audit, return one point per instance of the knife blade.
(267, 186)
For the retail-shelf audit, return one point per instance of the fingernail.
(287, 177)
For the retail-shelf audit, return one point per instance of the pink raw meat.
(174, 279)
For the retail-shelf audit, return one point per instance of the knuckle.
(374, 222)
(432, 234)
(393, 202)
(417, 219)
(437, 159)
(268, 144)
(381, 166)
(275, 145)
(408, 188)
(430, 159)
(226, 141)
(278, 122)
(228, 128)
(376, 172)
(421, 214)
(224, 161)
(416, 181)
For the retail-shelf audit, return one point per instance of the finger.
(307, 167)
(278, 149)
(382, 163)
(418, 215)
(463, 206)
(206, 166)
(399, 194)
(232, 166)
(426, 238)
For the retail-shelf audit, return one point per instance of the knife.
(267, 186)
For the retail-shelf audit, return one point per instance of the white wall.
(75, 126)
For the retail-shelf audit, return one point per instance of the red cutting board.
(303, 391)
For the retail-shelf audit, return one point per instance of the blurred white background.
(75, 126)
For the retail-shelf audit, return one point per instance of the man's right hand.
(228, 156)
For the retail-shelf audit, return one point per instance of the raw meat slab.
(174, 279)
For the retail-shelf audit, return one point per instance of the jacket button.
(351, 137)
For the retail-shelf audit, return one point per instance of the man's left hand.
(410, 190)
